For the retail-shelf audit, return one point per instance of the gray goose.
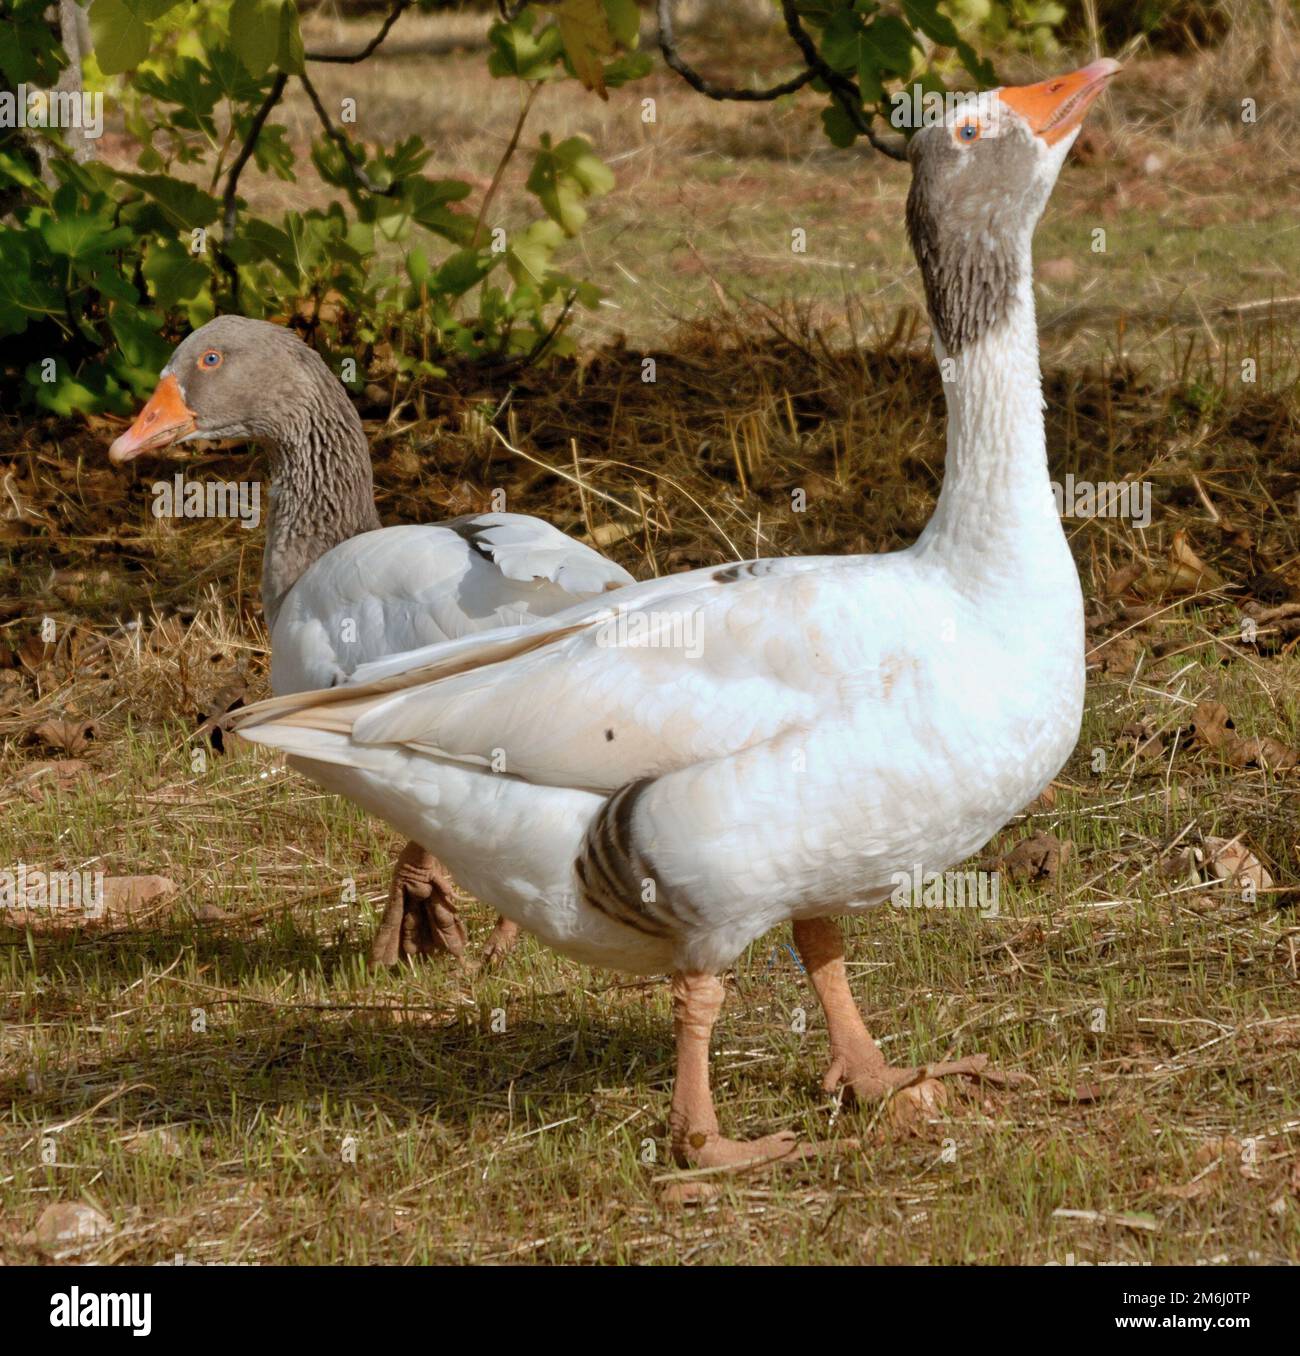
(339, 590)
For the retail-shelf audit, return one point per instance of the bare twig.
(668, 46)
(398, 9)
(548, 338)
(845, 92)
(503, 162)
(350, 155)
(229, 209)
(229, 199)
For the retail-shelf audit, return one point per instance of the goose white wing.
(656, 677)
(401, 588)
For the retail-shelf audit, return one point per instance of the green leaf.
(925, 16)
(463, 270)
(268, 242)
(517, 51)
(628, 67)
(564, 176)
(18, 171)
(82, 235)
(121, 31)
(843, 41)
(289, 53)
(426, 200)
(25, 294)
(836, 125)
(893, 45)
(255, 33)
(65, 394)
(584, 30)
(529, 256)
(184, 206)
(137, 336)
(173, 274)
(417, 266)
(847, 49)
(624, 22)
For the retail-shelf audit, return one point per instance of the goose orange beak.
(1054, 108)
(164, 420)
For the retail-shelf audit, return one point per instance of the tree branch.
(668, 46)
(501, 166)
(398, 9)
(349, 155)
(229, 208)
(845, 92)
(229, 204)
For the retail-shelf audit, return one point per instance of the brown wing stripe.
(612, 873)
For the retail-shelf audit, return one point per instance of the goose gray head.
(980, 180)
(247, 380)
(242, 379)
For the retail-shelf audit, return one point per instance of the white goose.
(337, 589)
(697, 759)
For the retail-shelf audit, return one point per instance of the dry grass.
(199, 1066)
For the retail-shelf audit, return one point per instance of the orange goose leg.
(419, 918)
(697, 1000)
(501, 941)
(856, 1060)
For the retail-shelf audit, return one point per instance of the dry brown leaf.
(1212, 728)
(1038, 857)
(66, 1225)
(1182, 573)
(160, 1139)
(72, 737)
(1233, 864)
(691, 1192)
(1201, 1185)
(1211, 725)
(910, 1109)
(1183, 865)
(1185, 571)
(1043, 802)
(58, 774)
(219, 701)
(1144, 737)
(1123, 579)
(584, 30)
(1264, 752)
(127, 895)
(1115, 658)
(33, 654)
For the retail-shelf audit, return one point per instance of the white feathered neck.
(995, 524)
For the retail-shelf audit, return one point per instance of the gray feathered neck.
(322, 488)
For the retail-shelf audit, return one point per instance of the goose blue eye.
(970, 132)
(210, 359)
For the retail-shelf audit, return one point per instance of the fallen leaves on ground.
(66, 1226)
(1212, 727)
(26, 902)
(910, 1110)
(1224, 861)
(69, 736)
(1037, 857)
